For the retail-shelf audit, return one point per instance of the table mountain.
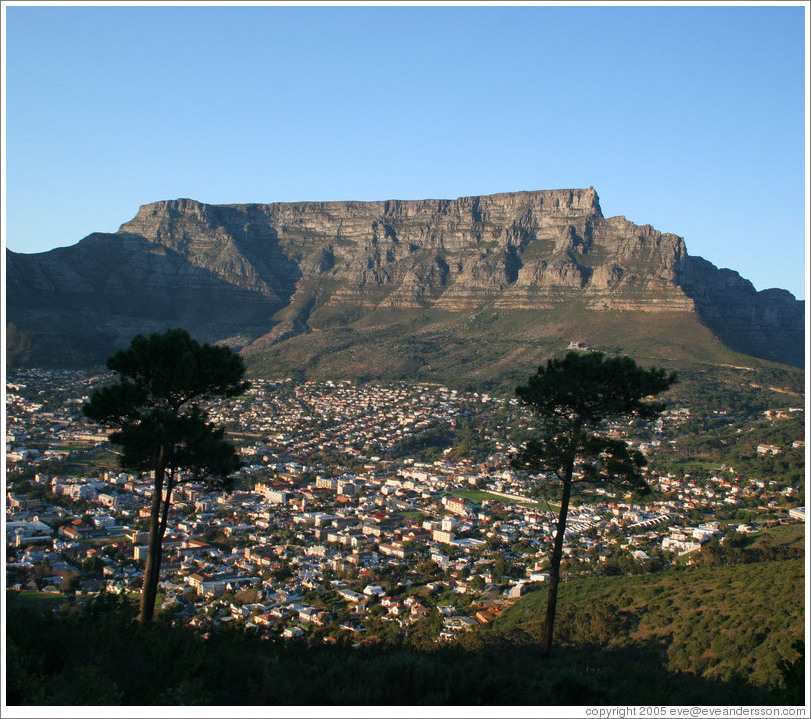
(391, 288)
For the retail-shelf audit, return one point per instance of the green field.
(34, 599)
(101, 541)
(477, 496)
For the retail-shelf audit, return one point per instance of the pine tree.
(161, 426)
(573, 398)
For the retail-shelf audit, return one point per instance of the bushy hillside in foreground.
(721, 635)
(737, 624)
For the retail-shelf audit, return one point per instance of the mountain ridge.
(261, 275)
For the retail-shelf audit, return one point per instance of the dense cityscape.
(361, 511)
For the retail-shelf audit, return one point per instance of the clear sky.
(689, 118)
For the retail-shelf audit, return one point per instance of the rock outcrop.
(262, 273)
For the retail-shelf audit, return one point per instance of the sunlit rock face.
(256, 272)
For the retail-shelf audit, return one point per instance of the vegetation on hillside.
(493, 349)
(706, 444)
(698, 636)
(736, 624)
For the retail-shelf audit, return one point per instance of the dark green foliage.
(108, 659)
(793, 690)
(725, 441)
(93, 566)
(158, 376)
(572, 397)
(426, 445)
(739, 390)
(469, 443)
(592, 387)
(741, 549)
(595, 625)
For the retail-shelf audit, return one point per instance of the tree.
(161, 427)
(70, 582)
(93, 566)
(574, 397)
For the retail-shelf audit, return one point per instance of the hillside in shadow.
(105, 658)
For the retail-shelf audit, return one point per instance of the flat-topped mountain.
(390, 288)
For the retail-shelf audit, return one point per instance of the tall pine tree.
(573, 398)
(161, 426)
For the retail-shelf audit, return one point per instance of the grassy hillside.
(732, 623)
(491, 348)
(702, 636)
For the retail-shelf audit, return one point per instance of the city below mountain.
(474, 288)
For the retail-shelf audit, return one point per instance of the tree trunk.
(167, 501)
(166, 504)
(149, 590)
(554, 566)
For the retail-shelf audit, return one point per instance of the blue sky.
(689, 118)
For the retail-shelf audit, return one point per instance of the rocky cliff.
(261, 275)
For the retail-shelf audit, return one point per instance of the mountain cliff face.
(523, 250)
(261, 275)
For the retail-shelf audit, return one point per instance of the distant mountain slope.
(270, 278)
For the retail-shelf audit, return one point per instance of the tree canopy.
(149, 406)
(573, 397)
